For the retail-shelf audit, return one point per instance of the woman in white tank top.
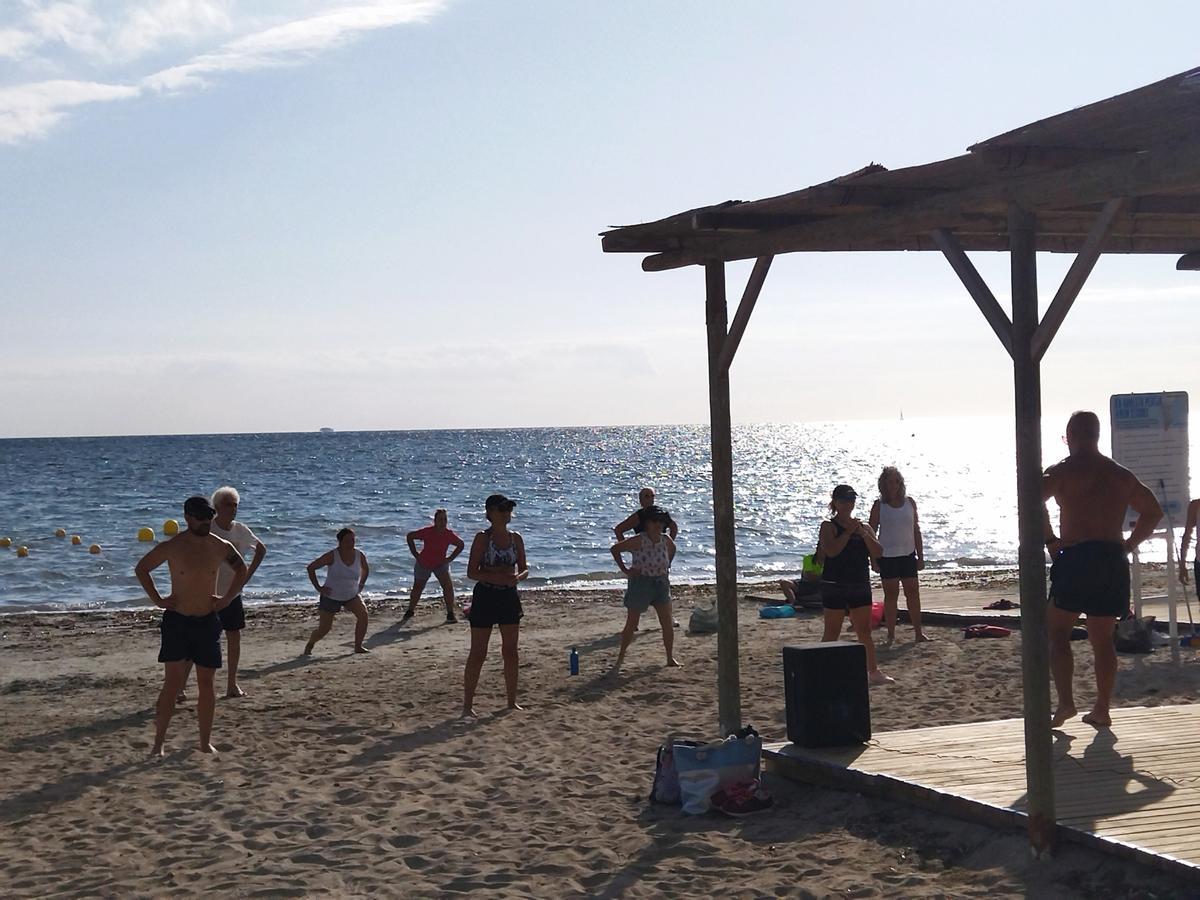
(346, 572)
(894, 520)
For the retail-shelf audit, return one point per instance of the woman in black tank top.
(848, 545)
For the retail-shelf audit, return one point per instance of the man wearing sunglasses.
(191, 631)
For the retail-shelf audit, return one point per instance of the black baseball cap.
(844, 492)
(198, 508)
(499, 501)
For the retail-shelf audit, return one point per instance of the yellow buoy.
(22, 551)
(76, 540)
(170, 528)
(5, 542)
(145, 535)
(60, 532)
(95, 548)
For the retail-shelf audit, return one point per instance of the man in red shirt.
(435, 540)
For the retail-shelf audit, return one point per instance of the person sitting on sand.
(809, 583)
(346, 573)
(1090, 574)
(225, 501)
(894, 519)
(636, 520)
(848, 545)
(191, 631)
(649, 580)
(497, 565)
(1193, 514)
(435, 540)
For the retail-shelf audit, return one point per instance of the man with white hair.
(225, 501)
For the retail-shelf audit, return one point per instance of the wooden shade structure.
(1118, 176)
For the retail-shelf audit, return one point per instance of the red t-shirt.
(433, 545)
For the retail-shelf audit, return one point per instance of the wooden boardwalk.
(1133, 790)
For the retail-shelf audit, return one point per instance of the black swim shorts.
(329, 605)
(835, 595)
(1091, 578)
(233, 617)
(493, 604)
(898, 566)
(197, 638)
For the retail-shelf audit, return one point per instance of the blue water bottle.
(573, 661)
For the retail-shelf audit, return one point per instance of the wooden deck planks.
(1134, 788)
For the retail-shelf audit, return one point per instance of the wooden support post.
(1035, 650)
(1074, 280)
(741, 318)
(729, 695)
(976, 286)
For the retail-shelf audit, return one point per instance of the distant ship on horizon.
(326, 430)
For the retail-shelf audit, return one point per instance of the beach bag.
(705, 769)
(666, 778)
(703, 620)
(876, 614)
(1133, 635)
(776, 612)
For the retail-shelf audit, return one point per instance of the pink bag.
(876, 613)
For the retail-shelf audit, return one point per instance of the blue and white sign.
(1150, 438)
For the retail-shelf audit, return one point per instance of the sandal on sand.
(741, 799)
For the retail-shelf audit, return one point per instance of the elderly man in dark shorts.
(1090, 572)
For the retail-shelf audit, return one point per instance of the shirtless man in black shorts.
(191, 631)
(1090, 574)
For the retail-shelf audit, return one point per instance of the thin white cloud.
(93, 46)
(293, 42)
(31, 110)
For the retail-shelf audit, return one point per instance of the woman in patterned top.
(497, 565)
(649, 582)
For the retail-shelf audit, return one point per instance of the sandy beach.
(344, 775)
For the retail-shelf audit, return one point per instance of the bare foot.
(920, 637)
(469, 713)
(234, 692)
(361, 649)
(891, 639)
(673, 663)
(517, 707)
(1062, 714)
(181, 697)
(878, 677)
(157, 750)
(307, 650)
(1098, 719)
(208, 748)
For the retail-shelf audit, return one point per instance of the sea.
(572, 485)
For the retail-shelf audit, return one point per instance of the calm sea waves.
(572, 484)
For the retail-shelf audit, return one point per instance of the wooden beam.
(1189, 262)
(1018, 157)
(1035, 655)
(741, 318)
(729, 693)
(747, 221)
(1074, 280)
(976, 286)
(1163, 169)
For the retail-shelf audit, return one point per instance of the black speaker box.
(828, 701)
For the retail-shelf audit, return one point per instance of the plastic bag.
(703, 620)
(705, 769)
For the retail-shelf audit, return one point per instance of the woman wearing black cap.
(848, 545)
(496, 565)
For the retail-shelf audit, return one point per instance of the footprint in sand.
(402, 841)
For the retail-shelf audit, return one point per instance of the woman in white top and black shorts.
(346, 573)
(894, 519)
(649, 581)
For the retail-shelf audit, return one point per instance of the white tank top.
(342, 580)
(896, 528)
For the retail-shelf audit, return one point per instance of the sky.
(280, 215)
